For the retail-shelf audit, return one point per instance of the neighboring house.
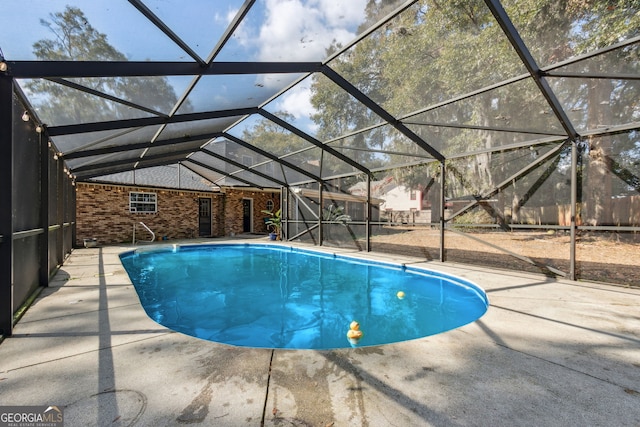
(398, 203)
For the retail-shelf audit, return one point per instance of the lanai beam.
(166, 30)
(272, 157)
(88, 168)
(370, 104)
(312, 140)
(138, 164)
(243, 167)
(71, 69)
(529, 62)
(146, 121)
(139, 146)
(216, 170)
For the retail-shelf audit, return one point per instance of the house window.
(270, 205)
(412, 194)
(143, 202)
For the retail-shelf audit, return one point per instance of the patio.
(548, 352)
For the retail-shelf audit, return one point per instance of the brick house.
(108, 212)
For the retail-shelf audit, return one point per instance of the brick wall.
(102, 211)
(233, 209)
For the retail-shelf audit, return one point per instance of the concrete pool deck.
(548, 352)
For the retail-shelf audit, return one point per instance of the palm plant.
(273, 222)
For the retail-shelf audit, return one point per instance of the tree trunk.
(597, 192)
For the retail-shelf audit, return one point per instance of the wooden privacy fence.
(623, 211)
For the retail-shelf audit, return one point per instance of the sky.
(274, 30)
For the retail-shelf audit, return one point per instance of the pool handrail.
(153, 235)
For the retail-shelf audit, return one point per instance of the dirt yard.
(606, 257)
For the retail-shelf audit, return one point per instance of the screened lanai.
(501, 133)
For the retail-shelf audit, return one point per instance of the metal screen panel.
(26, 265)
(26, 207)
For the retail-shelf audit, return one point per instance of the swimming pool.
(276, 296)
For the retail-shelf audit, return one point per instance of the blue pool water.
(273, 296)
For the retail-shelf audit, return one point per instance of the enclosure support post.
(574, 202)
(6, 207)
(60, 195)
(320, 225)
(44, 209)
(284, 209)
(441, 211)
(74, 200)
(367, 243)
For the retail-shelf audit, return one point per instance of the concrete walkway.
(547, 353)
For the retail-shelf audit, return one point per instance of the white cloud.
(297, 102)
(298, 30)
(343, 12)
(223, 18)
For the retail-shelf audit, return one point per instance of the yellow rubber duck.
(354, 334)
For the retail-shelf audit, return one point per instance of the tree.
(275, 139)
(436, 50)
(338, 113)
(76, 40)
(415, 60)
(604, 102)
